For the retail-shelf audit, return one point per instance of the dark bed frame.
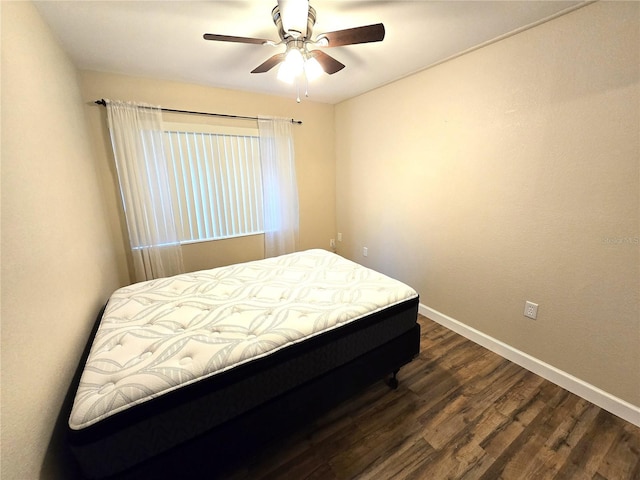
(124, 447)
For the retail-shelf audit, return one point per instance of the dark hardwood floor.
(460, 412)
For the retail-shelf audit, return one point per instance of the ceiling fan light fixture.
(312, 68)
(292, 67)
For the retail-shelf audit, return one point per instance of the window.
(216, 181)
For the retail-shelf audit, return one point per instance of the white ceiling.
(163, 39)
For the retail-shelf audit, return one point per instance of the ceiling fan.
(294, 20)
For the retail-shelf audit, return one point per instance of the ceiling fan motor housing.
(296, 28)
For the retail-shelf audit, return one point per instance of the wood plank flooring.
(460, 412)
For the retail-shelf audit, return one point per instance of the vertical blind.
(216, 184)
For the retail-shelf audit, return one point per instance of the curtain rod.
(104, 104)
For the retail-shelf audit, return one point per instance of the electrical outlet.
(339, 236)
(530, 310)
(365, 251)
(332, 243)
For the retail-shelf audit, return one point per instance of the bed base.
(222, 448)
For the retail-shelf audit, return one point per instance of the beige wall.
(512, 174)
(58, 263)
(314, 148)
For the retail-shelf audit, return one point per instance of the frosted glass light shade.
(312, 69)
(292, 66)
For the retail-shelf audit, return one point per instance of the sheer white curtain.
(137, 140)
(279, 186)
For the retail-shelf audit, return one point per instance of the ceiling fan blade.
(351, 36)
(231, 38)
(269, 63)
(329, 64)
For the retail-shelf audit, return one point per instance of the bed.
(201, 368)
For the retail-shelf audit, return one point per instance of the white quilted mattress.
(160, 335)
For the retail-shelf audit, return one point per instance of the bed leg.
(392, 381)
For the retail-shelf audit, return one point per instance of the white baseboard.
(604, 400)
